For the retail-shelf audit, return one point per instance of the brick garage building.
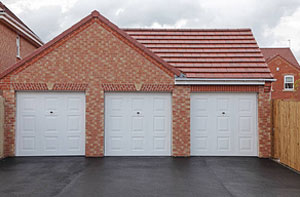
(286, 70)
(96, 90)
(16, 39)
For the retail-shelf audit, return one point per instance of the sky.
(275, 23)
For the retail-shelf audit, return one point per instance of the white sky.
(273, 22)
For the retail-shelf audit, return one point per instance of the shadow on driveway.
(146, 176)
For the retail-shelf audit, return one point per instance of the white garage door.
(137, 124)
(50, 124)
(224, 124)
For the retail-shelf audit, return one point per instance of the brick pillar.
(9, 122)
(264, 120)
(181, 120)
(94, 146)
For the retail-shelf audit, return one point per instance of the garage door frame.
(83, 140)
(140, 93)
(256, 137)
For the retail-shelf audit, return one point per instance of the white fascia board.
(194, 81)
(28, 33)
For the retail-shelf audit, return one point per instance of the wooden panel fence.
(1, 126)
(286, 136)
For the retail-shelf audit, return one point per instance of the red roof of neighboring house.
(206, 53)
(286, 53)
(95, 14)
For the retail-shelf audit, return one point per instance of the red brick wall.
(285, 68)
(26, 47)
(8, 47)
(181, 120)
(95, 59)
(264, 121)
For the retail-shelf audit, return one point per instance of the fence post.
(1, 127)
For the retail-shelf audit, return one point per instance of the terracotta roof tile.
(206, 53)
(286, 53)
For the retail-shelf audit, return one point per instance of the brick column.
(9, 122)
(264, 121)
(181, 121)
(94, 146)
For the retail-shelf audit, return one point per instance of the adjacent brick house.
(96, 90)
(16, 39)
(286, 70)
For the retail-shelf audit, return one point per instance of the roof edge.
(22, 30)
(220, 81)
(185, 29)
(18, 25)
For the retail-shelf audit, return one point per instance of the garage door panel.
(74, 105)
(28, 143)
(115, 104)
(200, 124)
(55, 128)
(74, 122)
(223, 144)
(159, 105)
(145, 127)
(138, 144)
(160, 124)
(115, 123)
(223, 104)
(28, 123)
(116, 143)
(50, 124)
(223, 124)
(246, 144)
(245, 125)
(245, 105)
(137, 124)
(202, 105)
(73, 143)
(137, 104)
(160, 144)
(51, 103)
(51, 144)
(201, 143)
(28, 104)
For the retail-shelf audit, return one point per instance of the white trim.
(23, 30)
(284, 82)
(197, 81)
(18, 43)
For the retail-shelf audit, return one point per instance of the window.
(289, 82)
(18, 47)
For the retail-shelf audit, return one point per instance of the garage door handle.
(223, 112)
(51, 112)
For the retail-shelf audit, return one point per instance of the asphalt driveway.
(146, 176)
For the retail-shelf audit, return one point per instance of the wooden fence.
(1, 126)
(286, 136)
